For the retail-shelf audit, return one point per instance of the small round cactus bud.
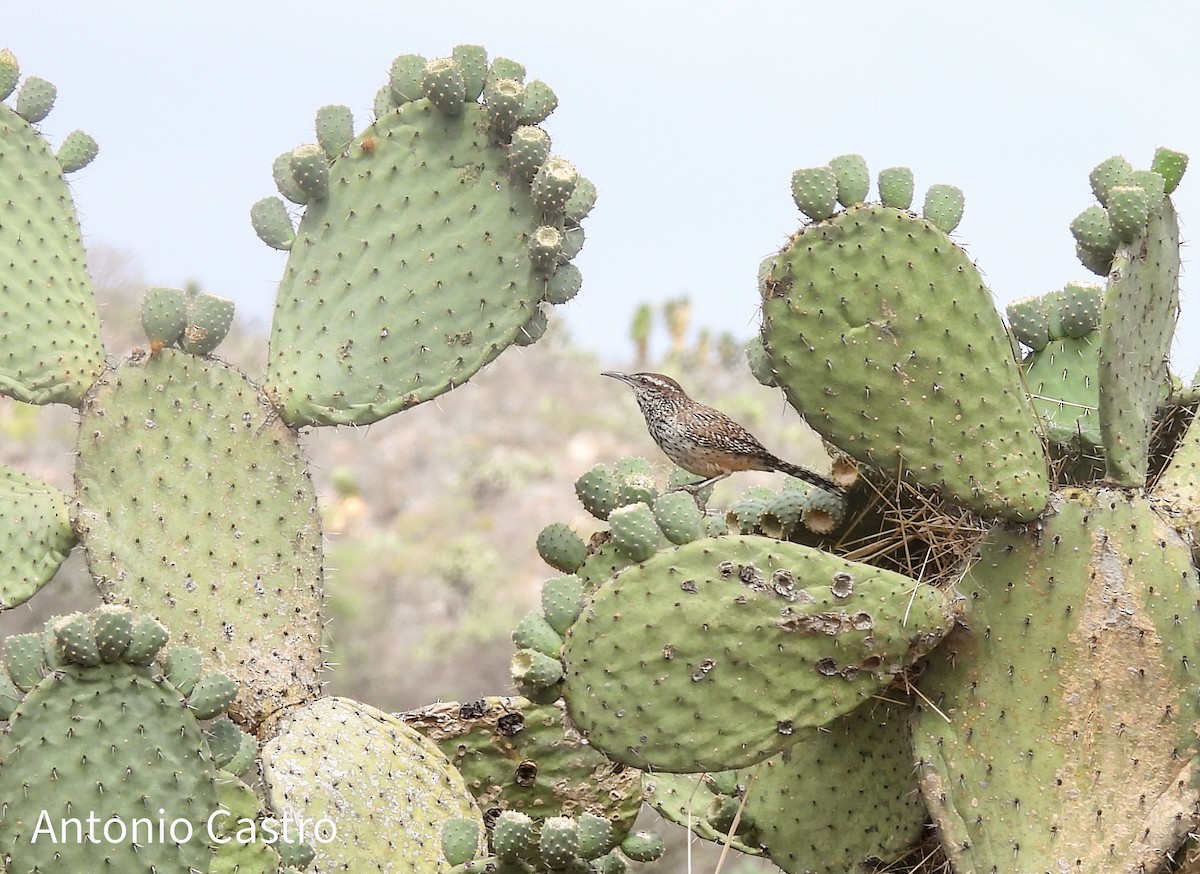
(145, 640)
(535, 670)
(815, 191)
(208, 321)
(224, 739)
(944, 206)
(113, 626)
(853, 178)
(1082, 305)
(561, 548)
(529, 149)
(512, 836)
(598, 491)
(285, 182)
(1170, 165)
(183, 665)
(581, 201)
(1095, 260)
(212, 694)
(472, 61)
(10, 72)
(295, 854)
(271, 222)
(760, 362)
(553, 185)
(634, 531)
(505, 103)
(26, 660)
(1093, 229)
(545, 249)
(596, 836)
(559, 841)
(164, 315)
(444, 85)
(562, 602)
(678, 517)
(534, 632)
(1128, 210)
(539, 102)
(1107, 174)
(460, 840)
(643, 846)
(1028, 320)
(310, 169)
(1154, 186)
(896, 187)
(505, 68)
(406, 79)
(78, 150)
(823, 513)
(35, 99)
(335, 129)
(563, 284)
(76, 641)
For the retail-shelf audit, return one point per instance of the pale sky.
(690, 119)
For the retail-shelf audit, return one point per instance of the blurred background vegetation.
(431, 516)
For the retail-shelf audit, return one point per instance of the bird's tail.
(813, 479)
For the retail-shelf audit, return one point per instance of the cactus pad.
(526, 757)
(50, 350)
(717, 654)
(883, 335)
(35, 535)
(1071, 699)
(413, 268)
(168, 446)
(387, 789)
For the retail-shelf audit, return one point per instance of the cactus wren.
(702, 440)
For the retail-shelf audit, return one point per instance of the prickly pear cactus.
(50, 349)
(35, 535)
(722, 621)
(105, 763)
(1072, 701)
(169, 439)
(378, 791)
(916, 373)
(430, 242)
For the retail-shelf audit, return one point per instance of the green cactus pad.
(415, 270)
(759, 363)
(678, 517)
(520, 756)
(1082, 303)
(387, 789)
(944, 206)
(853, 178)
(561, 548)
(50, 349)
(896, 187)
(1093, 229)
(558, 842)
(164, 314)
(335, 129)
(461, 840)
(281, 172)
(1170, 165)
(540, 101)
(78, 149)
(513, 836)
(534, 632)
(35, 535)
(1029, 321)
(10, 72)
(1140, 308)
(1065, 390)
(310, 170)
(853, 299)
(844, 795)
(113, 628)
(718, 654)
(173, 439)
(35, 99)
(562, 601)
(208, 320)
(1071, 700)
(1129, 208)
(473, 62)
(124, 750)
(634, 531)
(815, 192)
(1108, 174)
(271, 222)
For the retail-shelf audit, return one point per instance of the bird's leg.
(693, 488)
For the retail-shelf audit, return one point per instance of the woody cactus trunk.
(988, 633)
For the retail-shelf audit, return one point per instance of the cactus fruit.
(722, 619)
(35, 535)
(896, 187)
(217, 586)
(815, 191)
(1170, 165)
(1076, 636)
(853, 299)
(561, 548)
(78, 149)
(443, 276)
(853, 180)
(388, 789)
(562, 601)
(1108, 174)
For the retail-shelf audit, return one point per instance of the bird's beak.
(624, 377)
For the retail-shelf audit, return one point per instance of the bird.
(702, 440)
